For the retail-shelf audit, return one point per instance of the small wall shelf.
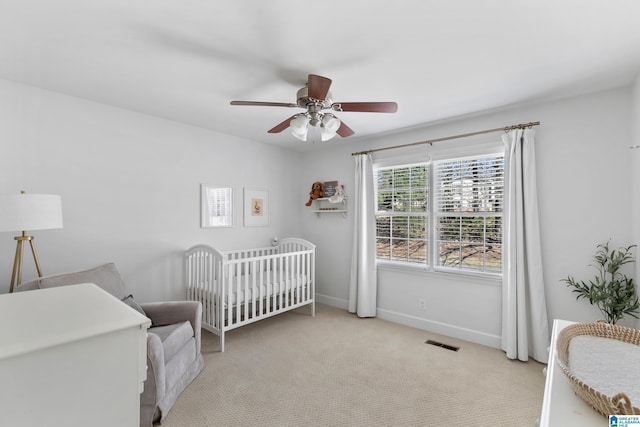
(323, 205)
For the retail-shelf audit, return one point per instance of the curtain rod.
(446, 138)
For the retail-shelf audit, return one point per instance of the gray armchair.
(173, 341)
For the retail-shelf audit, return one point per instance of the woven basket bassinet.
(620, 404)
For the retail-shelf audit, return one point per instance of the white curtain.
(364, 283)
(525, 330)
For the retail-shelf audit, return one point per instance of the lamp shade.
(21, 212)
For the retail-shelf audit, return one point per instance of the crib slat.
(213, 290)
(310, 278)
(298, 280)
(198, 276)
(260, 284)
(246, 298)
(277, 294)
(236, 289)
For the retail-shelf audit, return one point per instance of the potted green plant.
(610, 290)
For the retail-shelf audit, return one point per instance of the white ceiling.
(185, 60)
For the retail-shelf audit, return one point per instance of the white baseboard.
(470, 335)
(332, 301)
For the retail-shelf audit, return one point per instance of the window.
(444, 215)
(468, 216)
(402, 213)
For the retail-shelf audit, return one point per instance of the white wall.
(130, 187)
(584, 184)
(635, 156)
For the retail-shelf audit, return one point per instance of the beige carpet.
(338, 370)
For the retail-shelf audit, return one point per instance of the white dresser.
(561, 406)
(70, 356)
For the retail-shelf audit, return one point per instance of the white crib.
(239, 287)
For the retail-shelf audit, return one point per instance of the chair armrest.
(167, 313)
(155, 385)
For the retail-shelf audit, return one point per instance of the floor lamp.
(19, 212)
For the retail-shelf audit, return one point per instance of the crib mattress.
(257, 292)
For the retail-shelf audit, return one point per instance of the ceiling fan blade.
(282, 126)
(344, 130)
(366, 107)
(264, 104)
(318, 86)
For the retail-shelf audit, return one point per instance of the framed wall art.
(256, 208)
(330, 188)
(216, 206)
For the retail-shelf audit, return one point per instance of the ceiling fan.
(315, 98)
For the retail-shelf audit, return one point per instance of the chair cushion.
(105, 276)
(133, 304)
(173, 337)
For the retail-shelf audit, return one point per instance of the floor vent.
(439, 344)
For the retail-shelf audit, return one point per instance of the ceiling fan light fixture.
(325, 135)
(299, 127)
(315, 97)
(329, 127)
(330, 122)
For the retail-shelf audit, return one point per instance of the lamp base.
(16, 275)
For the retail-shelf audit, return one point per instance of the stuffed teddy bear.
(317, 192)
(338, 197)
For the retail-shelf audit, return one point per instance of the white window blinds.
(468, 214)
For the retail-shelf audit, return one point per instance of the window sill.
(480, 278)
